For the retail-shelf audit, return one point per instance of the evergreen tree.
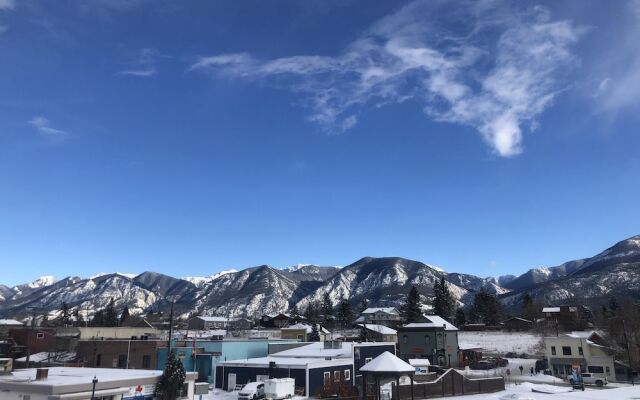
(98, 318)
(443, 303)
(486, 308)
(110, 314)
(345, 315)
(613, 307)
(327, 306)
(314, 336)
(64, 319)
(411, 309)
(79, 317)
(125, 315)
(295, 314)
(364, 304)
(45, 321)
(169, 387)
(364, 334)
(311, 313)
(460, 318)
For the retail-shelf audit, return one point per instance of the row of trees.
(107, 316)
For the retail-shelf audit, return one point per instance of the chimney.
(42, 374)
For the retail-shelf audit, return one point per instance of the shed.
(386, 366)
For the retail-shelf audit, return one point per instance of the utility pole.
(626, 343)
(170, 329)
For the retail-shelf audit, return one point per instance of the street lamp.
(93, 389)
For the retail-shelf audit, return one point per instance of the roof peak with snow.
(388, 363)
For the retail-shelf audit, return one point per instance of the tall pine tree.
(169, 387)
(486, 308)
(327, 306)
(411, 310)
(443, 303)
(124, 316)
(460, 318)
(110, 314)
(314, 336)
(345, 315)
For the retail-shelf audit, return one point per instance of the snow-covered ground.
(503, 342)
(521, 391)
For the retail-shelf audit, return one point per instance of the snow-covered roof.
(213, 319)
(387, 362)
(551, 309)
(581, 334)
(419, 362)
(468, 346)
(62, 376)
(384, 330)
(435, 321)
(47, 356)
(388, 310)
(280, 361)
(306, 327)
(10, 322)
(317, 349)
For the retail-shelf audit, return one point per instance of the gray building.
(434, 339)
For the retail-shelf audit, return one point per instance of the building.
(278, 320)
(380, 333)
(585, 350)
(314, 366)
(8, 324)
(301, 332)
(201, 323)
(77, 383)
(517, 324)
(119, 353)
(436, 339)
(566, 318)
(387, 316)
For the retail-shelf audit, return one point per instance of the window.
(122, 361)
(146, 361)
(405, 339)
(594, 369)
(40, 335)
(347, 374)
(427, 339)
(327, 379)
(553, 350)
(580, 350)
(98, 360)
(336, 376)
(300, 338)
(566, 350)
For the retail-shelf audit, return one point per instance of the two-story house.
(387, 316)
(587, 351)
(435, 339)
(380, 333)
(202, 323)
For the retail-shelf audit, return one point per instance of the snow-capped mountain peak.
(42, 282)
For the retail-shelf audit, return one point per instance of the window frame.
(553, 350)
(347, 374)
(567, 351)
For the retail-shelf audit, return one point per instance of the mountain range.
(382, 281)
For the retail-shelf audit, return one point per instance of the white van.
(251, 391)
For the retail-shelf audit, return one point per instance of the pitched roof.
(10, 322)
(435, 321)
(388, 310)
(384, 330)
(213, 319)
(387, 362)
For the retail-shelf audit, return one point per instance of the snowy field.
(503, 342)
(522, 391)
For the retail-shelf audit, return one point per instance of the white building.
(586, 350)
(68, 383)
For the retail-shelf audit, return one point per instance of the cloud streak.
(43, 126)
(145, 64)
(471, 63)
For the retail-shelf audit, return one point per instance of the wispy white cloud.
(7, 4)
(621, 88)
(43, 125)
(144, 65)
(471, 63)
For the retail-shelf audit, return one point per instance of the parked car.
(482, 365)
(587, 379)
(251, 391)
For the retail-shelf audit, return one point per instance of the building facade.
(436, 340)
(118, 353)
(587, 351)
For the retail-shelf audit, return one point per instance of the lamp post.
(93, 389)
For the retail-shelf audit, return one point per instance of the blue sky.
(190, 137)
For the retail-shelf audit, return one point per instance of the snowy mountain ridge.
(383, 281)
